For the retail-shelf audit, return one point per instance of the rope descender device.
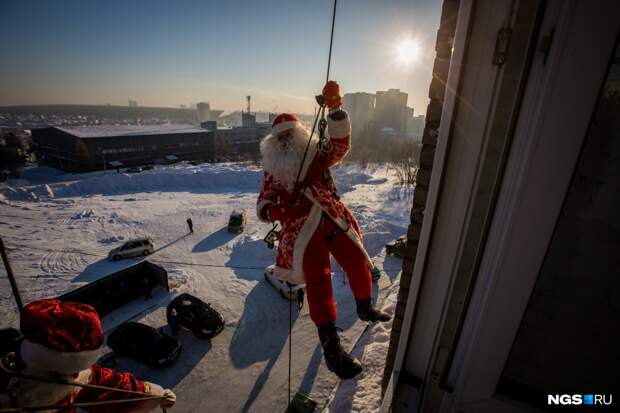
(272, 236)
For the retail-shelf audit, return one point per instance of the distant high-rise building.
(415, 127)
(360, 106)
(204, 111)
(133, 103)
(391, 110)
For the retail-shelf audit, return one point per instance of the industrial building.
(88, 148)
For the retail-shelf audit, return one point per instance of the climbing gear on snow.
(366, 311)
(338, 361)
(301, 404)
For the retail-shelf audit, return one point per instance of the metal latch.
(501, 46)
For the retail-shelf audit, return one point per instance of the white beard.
(281, 159)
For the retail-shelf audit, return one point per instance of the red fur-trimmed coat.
(318, 198)
(31, 393)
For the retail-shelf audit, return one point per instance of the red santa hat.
(283, 122)
(60, 337)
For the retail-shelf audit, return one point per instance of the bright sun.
(408, 51)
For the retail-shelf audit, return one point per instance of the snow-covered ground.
(59, 227)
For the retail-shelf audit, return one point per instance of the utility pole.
(9, 272)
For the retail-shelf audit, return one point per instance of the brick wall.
(443, 49)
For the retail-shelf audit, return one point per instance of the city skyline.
(168, 55)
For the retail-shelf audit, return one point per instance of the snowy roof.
(127, 130)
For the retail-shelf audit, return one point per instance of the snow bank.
(363, 394)
(207, 178)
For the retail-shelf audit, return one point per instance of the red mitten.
(331, 93)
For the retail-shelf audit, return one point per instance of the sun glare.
(408, 51)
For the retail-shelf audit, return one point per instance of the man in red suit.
(62, 342)
(316, 223)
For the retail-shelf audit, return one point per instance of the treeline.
(398, 153)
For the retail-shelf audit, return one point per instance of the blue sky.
(168, 53)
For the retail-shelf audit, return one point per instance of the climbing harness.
(272, 236)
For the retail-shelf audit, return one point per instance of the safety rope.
(161, 261)
(290, 340)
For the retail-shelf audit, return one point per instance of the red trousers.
(328, 238)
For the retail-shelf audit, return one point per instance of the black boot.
(338, 361)
(366, 312)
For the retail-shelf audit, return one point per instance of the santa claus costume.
(61, 343)
(315, 222)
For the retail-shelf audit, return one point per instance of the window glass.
(571, 322)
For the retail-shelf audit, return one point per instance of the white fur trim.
(281, 127)
(339, 128)
(155, 389)
(285, 274)
(259, 208)
(296, 274)
(149, 405)
(353, 235)
(303, 239)
(32, 393)
(46, 359)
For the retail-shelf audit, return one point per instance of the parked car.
(287, 290)
(236, 222)
(147, 167)
(132, 248)
(397, 247)
(194, 314)
(133, 170)
(144, 343)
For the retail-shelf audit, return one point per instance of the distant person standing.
(190, 225)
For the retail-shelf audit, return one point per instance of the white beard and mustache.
(281, 158)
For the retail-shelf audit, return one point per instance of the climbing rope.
(321, 101)
(296, 190)
(161, 261)
(290, 340)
